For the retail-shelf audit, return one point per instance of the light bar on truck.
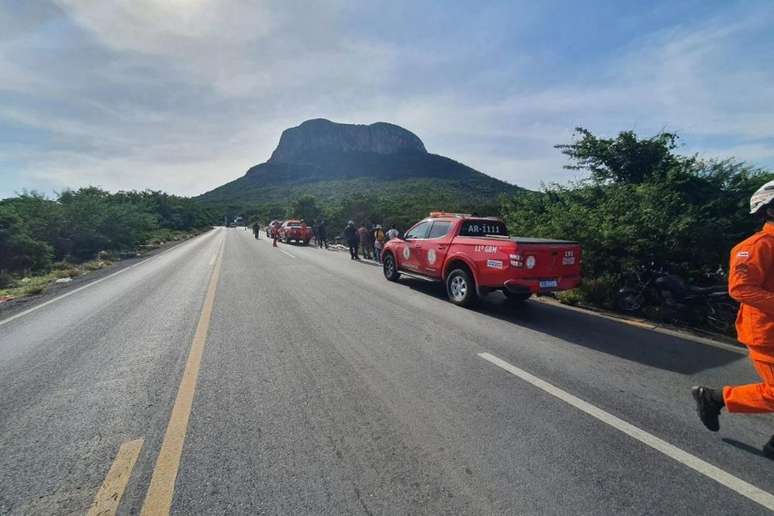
(444, 214)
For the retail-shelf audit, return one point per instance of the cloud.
(185, 95)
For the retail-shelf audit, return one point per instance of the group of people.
(367, 241)
(751, 283)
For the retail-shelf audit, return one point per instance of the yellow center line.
(158, 500)
(109, 495)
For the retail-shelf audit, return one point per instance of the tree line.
(36, 231)
(641, 204)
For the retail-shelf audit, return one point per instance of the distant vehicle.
(271, 225)
(475, 255)
(295, 231)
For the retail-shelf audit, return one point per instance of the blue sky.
(185, 95)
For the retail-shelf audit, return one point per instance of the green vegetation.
(41, 238)
(642, 203)
(367, 187)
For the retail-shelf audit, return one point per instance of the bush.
(82, 224)
(600, 291)
(6, 280)
(642, 204)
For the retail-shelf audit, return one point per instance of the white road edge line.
(720, 476)
(286, 253)
(95, 282)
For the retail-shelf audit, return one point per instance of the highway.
(225, 376)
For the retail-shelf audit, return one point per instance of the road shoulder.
(15, 306)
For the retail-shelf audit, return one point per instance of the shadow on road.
(372, 263)
(614, 338)
(744, 447)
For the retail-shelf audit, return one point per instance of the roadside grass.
(37, 284)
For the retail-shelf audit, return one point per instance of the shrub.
(642, 204)
(6, 280)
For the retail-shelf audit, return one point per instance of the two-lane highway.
(229, 377)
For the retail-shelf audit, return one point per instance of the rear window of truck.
(483, 227)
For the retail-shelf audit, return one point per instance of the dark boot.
(708, 405)
(768, 448)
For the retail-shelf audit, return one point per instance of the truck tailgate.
(549, 259)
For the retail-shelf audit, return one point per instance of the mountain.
(334, 162)
(313, 136)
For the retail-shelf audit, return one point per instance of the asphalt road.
(227, 377)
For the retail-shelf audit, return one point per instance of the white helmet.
(763, 196)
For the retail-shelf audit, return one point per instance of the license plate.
(548, 283)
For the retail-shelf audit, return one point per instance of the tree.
(19, 252)
(642, 203)
(305, 208)
(624, 159)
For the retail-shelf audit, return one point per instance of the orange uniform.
(751, 282)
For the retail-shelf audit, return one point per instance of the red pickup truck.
(295, 231)
(474, 256)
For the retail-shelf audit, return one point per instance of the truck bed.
(527, 240)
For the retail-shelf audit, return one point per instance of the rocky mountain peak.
(297, 144)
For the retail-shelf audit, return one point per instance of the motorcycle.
(678, 301)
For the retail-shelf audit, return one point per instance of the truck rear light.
(516, 260)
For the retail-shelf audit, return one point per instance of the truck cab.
(475, 255)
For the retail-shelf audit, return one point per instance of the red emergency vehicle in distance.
(475, 255)
(295, 231)
(271, 226)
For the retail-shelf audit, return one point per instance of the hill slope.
(334, 162)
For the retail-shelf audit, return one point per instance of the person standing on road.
(351, 236)
(257, 230)
(751, 283)
(274, 234)
(365, 238)
(378, 242)
(322, 235)
(315, 236)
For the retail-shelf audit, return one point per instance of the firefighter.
(751, 283)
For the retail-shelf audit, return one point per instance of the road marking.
(286, 253)
(88, 285)
(112, 489)
(158, 500)
(745, 489)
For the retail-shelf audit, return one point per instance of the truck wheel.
(390, 268)
(461, 288)
(517, 297)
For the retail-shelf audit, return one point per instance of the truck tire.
(519, 297)
(461, 288)
(390, 268)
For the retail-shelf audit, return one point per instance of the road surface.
(228, 377)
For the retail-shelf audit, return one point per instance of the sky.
(185, 95)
